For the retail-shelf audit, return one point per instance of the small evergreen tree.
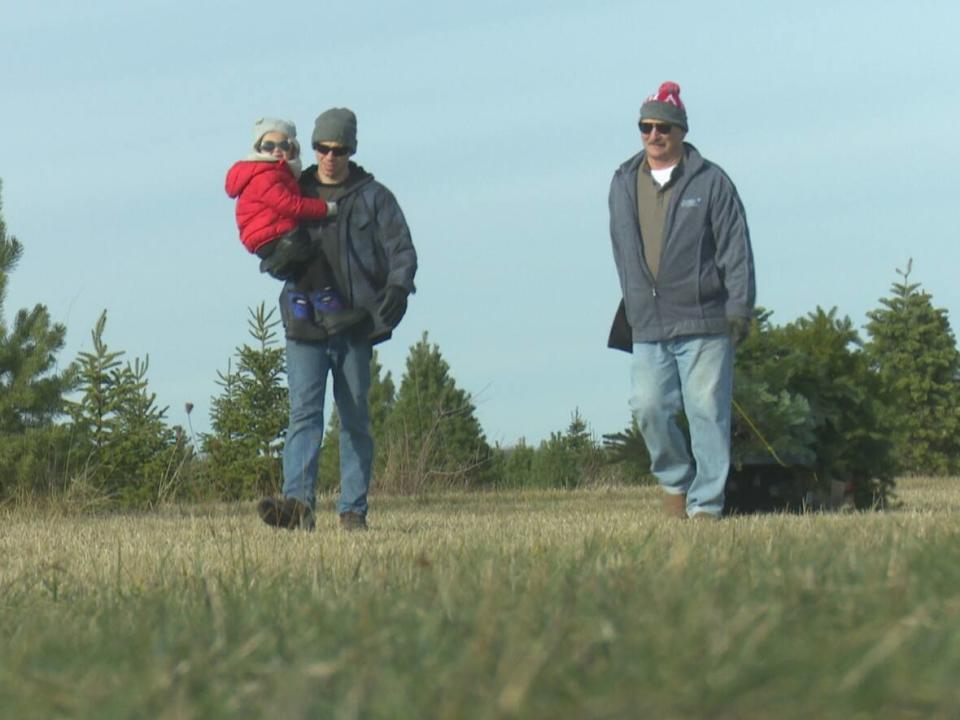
(568, 459)
(128, 452)
(249, 417)
(432, 432)
(144, 448)
(98, 373)
(628, 449)
(914, 351)
(513, 466)
(817, 404)
(771, 421)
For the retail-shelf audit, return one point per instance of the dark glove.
(739, 329)
(394, 305)
(286, 257)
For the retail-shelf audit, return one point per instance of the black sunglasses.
(268, 146)
(337, 151)
(663, 128)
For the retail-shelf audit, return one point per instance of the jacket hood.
(356, 178)
(242, 172)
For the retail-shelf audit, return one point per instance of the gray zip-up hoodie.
(706, 267)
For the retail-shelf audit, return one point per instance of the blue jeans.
(347, 358)
(695, 375)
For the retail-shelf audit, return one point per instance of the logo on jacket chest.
(691, 202)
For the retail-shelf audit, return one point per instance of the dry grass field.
(583, 604)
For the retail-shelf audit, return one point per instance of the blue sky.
(498, 126)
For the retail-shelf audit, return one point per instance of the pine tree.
(568, 459)
(513, 466)
(33, 450)
(144, 448)
(914, 351)
(771, 421)
(249, 417)
(128, 451)
(628, 449)
(820, 404)
(97, 375)
(432, 431)
(31, 389)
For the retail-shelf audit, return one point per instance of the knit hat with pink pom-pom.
(665, 105)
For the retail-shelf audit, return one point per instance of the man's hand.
(739, 329)
(394, 305)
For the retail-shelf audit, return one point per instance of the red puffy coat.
(269, 203)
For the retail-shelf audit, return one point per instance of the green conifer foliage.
(33, 450)
(249, 416)
(568, 459)
(127, 452)
(513, 466)
(433, 434)
(914, 351)
(817, 402)
(807, 403)
(31, 389)
(628, 449)
(772, 422)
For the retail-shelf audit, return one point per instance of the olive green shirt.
(652, 203)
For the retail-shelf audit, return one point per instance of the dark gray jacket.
(706, 267)
(372, 249)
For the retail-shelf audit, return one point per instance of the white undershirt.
(662, 176)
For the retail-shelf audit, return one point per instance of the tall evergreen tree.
(914, 351)
(249, 417)
(33, 449)
(31, 388)
(433, 433)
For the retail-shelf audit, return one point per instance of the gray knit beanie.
(264, 125)
(336, 125)
(665, 105)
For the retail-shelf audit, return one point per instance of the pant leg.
(351, 387)
(656, 402)
(307, 366)
(706, 379)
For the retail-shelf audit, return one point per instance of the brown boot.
(709, 517)
(675, 506)
(353, 521)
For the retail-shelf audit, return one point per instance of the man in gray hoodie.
(682, 251)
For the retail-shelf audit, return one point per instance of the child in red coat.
(269, 209)
(269, 204)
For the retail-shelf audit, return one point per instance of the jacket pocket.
(362, 246)
(711, 287)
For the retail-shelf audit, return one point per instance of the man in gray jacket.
(349, 296)
(683, 255)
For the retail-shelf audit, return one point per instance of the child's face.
(276, 144)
